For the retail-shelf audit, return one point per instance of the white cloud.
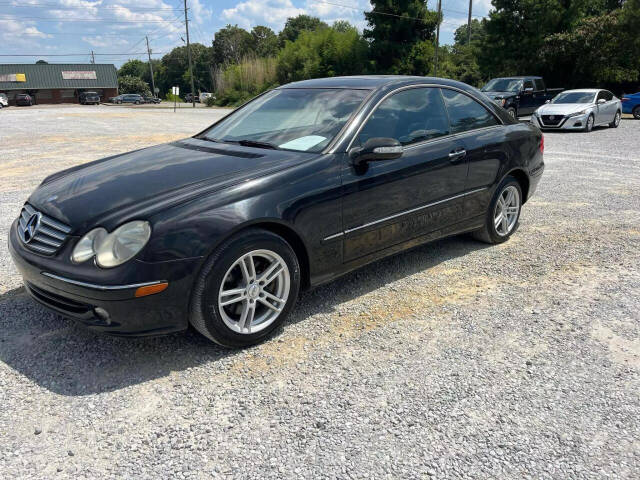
(273, 13)
(101, 41)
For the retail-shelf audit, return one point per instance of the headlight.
(86, 247)
(583, 112)
(115, 248)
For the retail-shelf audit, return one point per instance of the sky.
(66, 31)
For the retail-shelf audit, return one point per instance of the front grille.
(58, 302)
(548, 120)
(41, 233)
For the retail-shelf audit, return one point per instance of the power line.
(74, 54)
(100, 20)
(57, 6)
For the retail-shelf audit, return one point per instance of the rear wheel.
(616, 120)
(246, 289)
(636, 112)
(503, 213)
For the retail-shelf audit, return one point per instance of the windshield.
(503, 85)
(574, 97)
(304, 120)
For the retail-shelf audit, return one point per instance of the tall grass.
(237, 83)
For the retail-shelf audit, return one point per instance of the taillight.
(542, 144)
(624, 99)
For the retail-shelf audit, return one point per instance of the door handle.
(458, 154)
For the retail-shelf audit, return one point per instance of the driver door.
(388, 202)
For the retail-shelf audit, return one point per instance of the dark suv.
(86, 98)
(24, 100)
(519, 95)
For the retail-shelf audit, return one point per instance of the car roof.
(520, 77)
(370, 82)
(583, 90)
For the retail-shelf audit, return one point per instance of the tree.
(230, 44)
(326, 52)
(395, 27)
(131, 84)
(174, 69)
(294, 26)
(264, 42)
(133, 68)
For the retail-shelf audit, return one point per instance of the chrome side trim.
(96, 286)
(400, 214)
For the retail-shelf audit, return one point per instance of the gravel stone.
(454, 360)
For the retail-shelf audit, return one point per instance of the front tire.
(245, 289)
(589, 125)
(616, 120)
(636, 112)
(512, 112)
(503, 214)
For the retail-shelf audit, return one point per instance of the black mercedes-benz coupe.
(298, 186)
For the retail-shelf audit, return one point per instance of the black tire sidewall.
(490, 227)
(636, 112)
(213, 273)
(515, 113)
(613, 124)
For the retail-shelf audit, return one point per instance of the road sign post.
(176, 92)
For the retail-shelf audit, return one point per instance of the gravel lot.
(454, 360)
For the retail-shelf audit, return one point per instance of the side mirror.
(528, 90)
(548, 101)
(375, 149)
(602, 100)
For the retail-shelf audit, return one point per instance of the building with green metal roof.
(58, 83)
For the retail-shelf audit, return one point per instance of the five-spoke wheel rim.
(254, 291)
(507, 210)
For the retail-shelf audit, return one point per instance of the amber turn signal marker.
(151, 289)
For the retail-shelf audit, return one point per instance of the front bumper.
(567, 123)
(86, 299)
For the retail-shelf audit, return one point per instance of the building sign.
(13, 77)
(80, 75)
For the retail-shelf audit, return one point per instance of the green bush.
(171, 97)
(210, 102)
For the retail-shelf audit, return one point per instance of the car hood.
(143, 182)
(496, 94)
(563, 108)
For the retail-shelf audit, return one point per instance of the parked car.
(305, 183)
(86, 98)
(188, 98)
(579, 110)
(519, 96)
(204, 96)
(4, 101)
(148, 99)
(24, 100)
(128, 98)
(631, 104)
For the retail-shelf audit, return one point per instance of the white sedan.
(579, 110)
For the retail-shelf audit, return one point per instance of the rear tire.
(241, 317)
(504, 209)
(616, 120)
(636, 112)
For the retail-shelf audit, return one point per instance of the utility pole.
(153, 84)
(186, 24)
(93, 58)
(469, 23)
(435, 64)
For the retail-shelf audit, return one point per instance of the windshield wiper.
(256, 143)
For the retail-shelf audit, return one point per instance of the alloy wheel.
(254, 291)
(616, 120)
(590, 123)
(505, 215)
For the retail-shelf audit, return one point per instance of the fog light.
(102, 314)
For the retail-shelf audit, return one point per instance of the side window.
(601, 95)
(528, 84)
(608, 95)
(465, 113)
(539, 84)
(410, 116)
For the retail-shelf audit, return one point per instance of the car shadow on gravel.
(62, 356)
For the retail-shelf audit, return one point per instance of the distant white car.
(4, 101)
(204, 96)
(579, 110)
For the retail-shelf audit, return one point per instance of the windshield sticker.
(303, 143)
